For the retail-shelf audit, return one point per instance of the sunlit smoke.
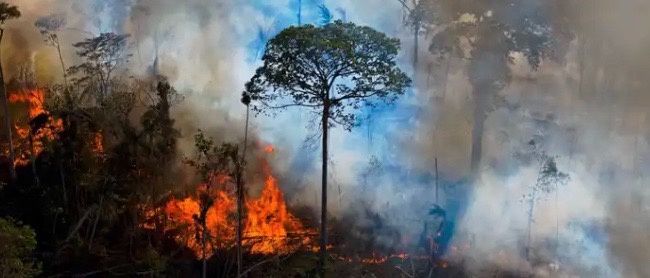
(590, 111)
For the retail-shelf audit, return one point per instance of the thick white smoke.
(209, 49)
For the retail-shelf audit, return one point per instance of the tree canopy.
(342, 64)
(334, 70)
(516, 26)
(8, 11)
(102, 55)
(487, 34)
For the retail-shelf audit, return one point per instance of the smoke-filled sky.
(590, 110)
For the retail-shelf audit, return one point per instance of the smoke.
(589, 110)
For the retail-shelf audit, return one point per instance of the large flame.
(47, 133)
(269, 226)
(268, 219)
(35, 99)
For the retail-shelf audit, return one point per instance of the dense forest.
(460, 145)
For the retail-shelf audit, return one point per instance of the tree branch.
(291, 105)
(405, 5)
(356, 95)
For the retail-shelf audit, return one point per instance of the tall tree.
(102, 56)
(213, 162)
(158, 130)
(332, 70)
(299, 14)
(246, 100)
(49, 27)
(487, 33)
(7, 12)
(325, 15)
(416, 14)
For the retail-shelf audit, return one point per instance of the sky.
(210, 48)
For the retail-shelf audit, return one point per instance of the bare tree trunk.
(529, 228)
(323, 216)
(299, 12)
(477, 131)
(444, 86)
(92, 234)
(416, 45)
(531, 212)
(32, 159)
(557, 216)
(436, 165)
(240, 198)
(12, 169)
(65, 76)
(65, 192)
(203, 244)
(581, 65)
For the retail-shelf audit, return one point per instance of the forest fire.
(268, 229)
(39, 129)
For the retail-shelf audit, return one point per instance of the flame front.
(46, 127)
(268, 228)
(35, 99)
(269, 223)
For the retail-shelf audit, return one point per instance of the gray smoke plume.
(589, 110)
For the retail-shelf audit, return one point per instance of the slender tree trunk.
(12, 169)
(529, 229)
(323, 216)
(299, 12)
(531, 211)
(557, 216)
(444, 85)
(581, 65)
(416, 45)
(65, 192)
(240, 198)
(32, 159)
(92, 234)
(477, 131)
(203, 244)
(65, 76)
(436, 165)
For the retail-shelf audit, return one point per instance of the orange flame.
(97, 144)
(35, 99)
(269, 149)
(267, 229)
(268, 219)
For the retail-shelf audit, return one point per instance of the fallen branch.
(257, 265)
(100, 271)
(403, 271)
(75, 229)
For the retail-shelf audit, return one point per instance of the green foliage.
(325, 14)
(157, 123)
(495, 26)
(17, 242)
(154, 260)
(340, 64)
(50, 24)
(549, 176)
(101, 56)
(419, 12)
(211, 158)
(7, 12)
(215, 164)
